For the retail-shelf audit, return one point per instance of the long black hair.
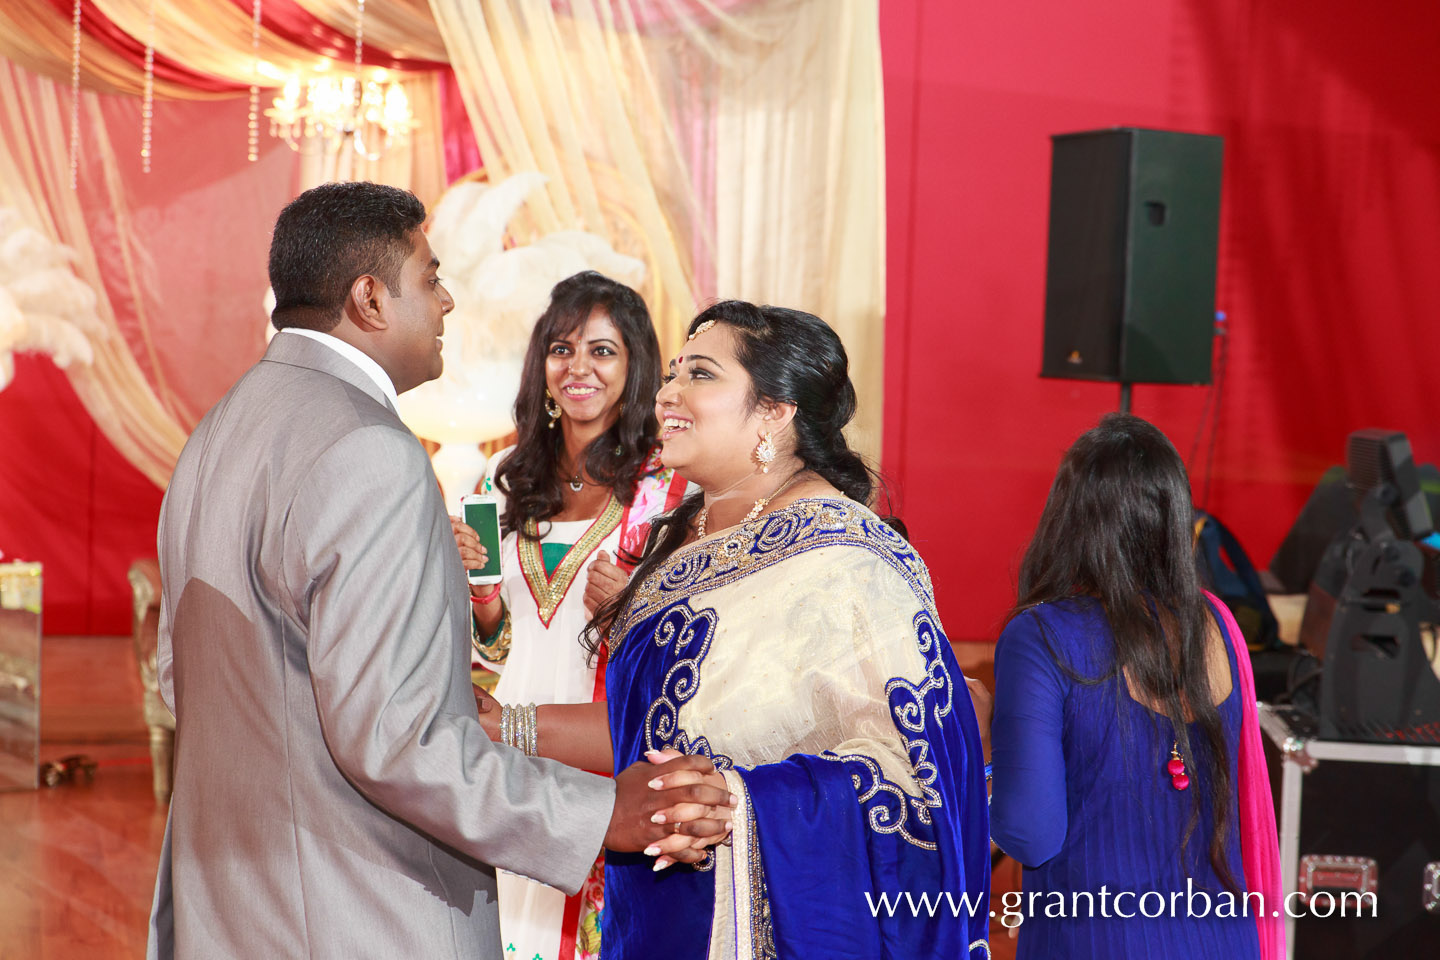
(530, 477)
(791, 357)
(1118, 526)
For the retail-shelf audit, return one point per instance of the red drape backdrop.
(67, 498)
(1332, 193)
(1328, 245)
(71, 501)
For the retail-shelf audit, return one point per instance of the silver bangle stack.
(517, 728)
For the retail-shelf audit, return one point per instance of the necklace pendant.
(576, 485)
(1176, 769)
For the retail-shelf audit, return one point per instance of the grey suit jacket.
(335, 795)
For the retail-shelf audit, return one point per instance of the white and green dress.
(536, 650)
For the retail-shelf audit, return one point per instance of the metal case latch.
(1322, 872)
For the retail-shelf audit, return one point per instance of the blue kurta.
(1082, 798)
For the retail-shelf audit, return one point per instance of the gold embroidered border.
(888, 806)
(496, 648)
(762, 930)
(741, 927)
(807, 524)
(550, 591)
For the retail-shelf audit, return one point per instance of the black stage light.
(1370, 610)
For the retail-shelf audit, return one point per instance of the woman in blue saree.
(778, 626)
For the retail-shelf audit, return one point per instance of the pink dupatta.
(1259, 842)
(659, 490)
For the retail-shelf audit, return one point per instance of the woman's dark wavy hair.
(530, 477)
(791, 357)
(1118, 526)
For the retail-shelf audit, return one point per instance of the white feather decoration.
(499, 294)
(44, 306)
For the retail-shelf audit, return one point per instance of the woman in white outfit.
(578, 492)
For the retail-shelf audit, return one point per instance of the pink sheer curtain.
(183, 249)
(177, 258)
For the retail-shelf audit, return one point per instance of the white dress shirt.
(356, 356)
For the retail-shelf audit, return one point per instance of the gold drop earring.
(765, 451)
(552, 409)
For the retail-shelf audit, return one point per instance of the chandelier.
(325, 111)
(318, 110)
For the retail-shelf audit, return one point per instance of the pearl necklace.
(760, 505)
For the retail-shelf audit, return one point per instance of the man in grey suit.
(335, 794)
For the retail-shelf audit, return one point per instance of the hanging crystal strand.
(359, 67)
(253, 152)
(75, 98)
(147, 112)
(359, 34)
(357, 104)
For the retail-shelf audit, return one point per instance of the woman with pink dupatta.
(1128, 773)
(578, 490)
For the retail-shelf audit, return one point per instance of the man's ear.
(362, 307)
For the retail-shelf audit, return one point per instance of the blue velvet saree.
(802, 653)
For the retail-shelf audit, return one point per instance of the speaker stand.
(1125, 397)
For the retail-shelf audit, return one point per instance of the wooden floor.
(77, 862)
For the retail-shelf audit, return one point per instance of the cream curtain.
(207, 36)
(799, 191)
(735, 147)
(402, 28)
(151, 336)
(212, 38)
(34, 178)
(35, 35)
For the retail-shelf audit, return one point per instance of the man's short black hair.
(328, 236)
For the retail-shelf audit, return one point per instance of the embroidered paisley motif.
(888, 808)
(803, 525)
(689, 633)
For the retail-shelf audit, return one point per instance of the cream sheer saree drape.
(802, 652)
(736, 147)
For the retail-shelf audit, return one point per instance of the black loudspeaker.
(1130, 278)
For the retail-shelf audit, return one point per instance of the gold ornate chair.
(145, 584)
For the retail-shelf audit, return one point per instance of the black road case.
(1361, 823)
